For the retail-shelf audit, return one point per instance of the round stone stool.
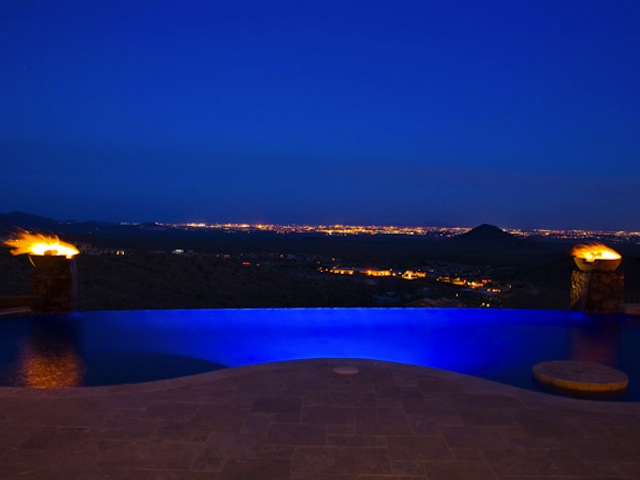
(580, 376)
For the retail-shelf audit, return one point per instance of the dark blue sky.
(517, 113)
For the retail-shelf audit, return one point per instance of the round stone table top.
(582, 376)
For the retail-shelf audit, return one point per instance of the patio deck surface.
(300, 420)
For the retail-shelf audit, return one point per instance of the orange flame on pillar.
(594, 251)
(39, 244)
(596, 257)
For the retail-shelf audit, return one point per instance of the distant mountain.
(488, 237)
(12, 221)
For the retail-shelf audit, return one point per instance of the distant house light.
(413, 275)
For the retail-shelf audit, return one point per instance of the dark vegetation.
(264, 269)
(204, 281)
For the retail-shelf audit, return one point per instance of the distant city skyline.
(520, 114)
(327, 228)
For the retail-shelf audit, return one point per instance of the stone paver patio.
(300, 420)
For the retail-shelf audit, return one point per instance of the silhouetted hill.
(12, 221)
(488, 237)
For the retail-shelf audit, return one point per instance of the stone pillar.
(54, 282)
(596, 292)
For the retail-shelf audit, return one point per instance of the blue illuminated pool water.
(103, 348)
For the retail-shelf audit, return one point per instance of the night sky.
(516, 113)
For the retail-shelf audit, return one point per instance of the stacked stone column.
(54, 282)
(596, 291)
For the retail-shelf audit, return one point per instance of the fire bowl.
(48, 262)
(598, 265)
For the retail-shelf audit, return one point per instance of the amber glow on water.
(41, 368)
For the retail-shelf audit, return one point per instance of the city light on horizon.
(341, 229)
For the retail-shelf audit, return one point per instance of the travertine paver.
(303, 421)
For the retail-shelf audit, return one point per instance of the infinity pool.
(107, 348)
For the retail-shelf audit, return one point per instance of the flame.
(38, 244)
(594, 251)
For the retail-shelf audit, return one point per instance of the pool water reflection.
(105, 348)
